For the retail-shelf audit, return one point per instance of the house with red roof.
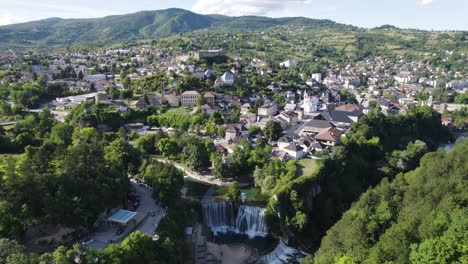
(329, 137)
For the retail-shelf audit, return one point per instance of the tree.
(80, 75)
(216, 118)
(272, 130)
(234, 193)
(121, 153)
(196, 154)
(201, 100)
(165, 179)
(9, 247)
(254, 130)
(220, 169)
(443, 250)
(169, 148)
(126, 83)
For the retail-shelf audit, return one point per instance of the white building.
(228, 78)
(311, 103)
(268, 109)
(288, 64)
(317, 77)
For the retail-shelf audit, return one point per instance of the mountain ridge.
(148, 24)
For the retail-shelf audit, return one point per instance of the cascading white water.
(250, 220)
(282, 254)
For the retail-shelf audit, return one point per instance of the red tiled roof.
(329, 134)
(190, 93)
(209, 94)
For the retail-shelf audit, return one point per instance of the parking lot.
(147, 223)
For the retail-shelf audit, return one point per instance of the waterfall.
(218, 216)
(250, 220)
(282, 254)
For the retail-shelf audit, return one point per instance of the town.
(254, 146)
(242, 95)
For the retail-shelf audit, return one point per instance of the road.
(147, 223)
(207, 178)
(8, 123)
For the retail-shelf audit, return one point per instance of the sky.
(420, 14)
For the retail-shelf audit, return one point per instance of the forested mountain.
(140, 25)
(419, 217)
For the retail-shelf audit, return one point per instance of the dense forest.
(418, 217)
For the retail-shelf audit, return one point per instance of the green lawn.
(178, 111)
(306, 167)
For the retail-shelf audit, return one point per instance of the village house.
(288, 64)
(245, 109)
(199, 73)
(329, 137)
(173, 99)
(268, 109)
(274, 87)
(189, 98)
(227, 78)
(284, 141)
(287, 118)
(294, 151)
(316, 126)
(235, 131)
(209, 97)
(141, 104)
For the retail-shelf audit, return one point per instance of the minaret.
(163, 93)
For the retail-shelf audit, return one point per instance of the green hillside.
(419, 217)
(141, 25)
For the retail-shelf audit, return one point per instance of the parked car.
(87, 242)
(152, 213)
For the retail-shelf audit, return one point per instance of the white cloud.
(243, 7)
(6, 19)
(425, 2)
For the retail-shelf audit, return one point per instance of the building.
(228, 78)
(173, 99)
(209, 97)
(311, 103)
(235, 131)
(329, 137)
(202, 54)
(288, 64)
(245, 109)
(189, 98)
(316, 126)
(284, 141)
(268, 109)
(340, 118)
(294, 151)
(199, 73)
(274, 87)
(317, 77)
(288, 118)
(142, 104)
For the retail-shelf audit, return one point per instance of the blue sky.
(422, 14)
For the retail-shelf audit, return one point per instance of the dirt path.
(208, 178)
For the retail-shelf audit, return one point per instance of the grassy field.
(178, 111)
(306, 167)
